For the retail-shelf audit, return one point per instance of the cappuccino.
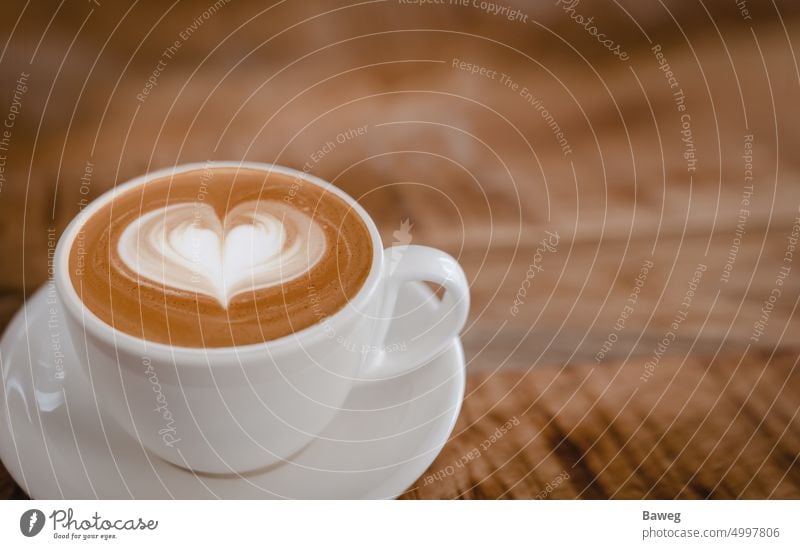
(220, 257)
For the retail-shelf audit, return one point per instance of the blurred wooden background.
(476, 167)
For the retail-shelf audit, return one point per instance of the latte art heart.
(218, 256)
(186, 247)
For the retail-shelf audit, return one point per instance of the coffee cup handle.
(404, 264)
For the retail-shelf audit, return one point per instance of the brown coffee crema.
(220, 257)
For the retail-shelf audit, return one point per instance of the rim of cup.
(311, 334)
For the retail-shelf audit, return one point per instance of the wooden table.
(704, 427)
(476, 167)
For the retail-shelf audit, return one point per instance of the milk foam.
(187, 248)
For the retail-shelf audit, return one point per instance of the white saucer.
(56, 443)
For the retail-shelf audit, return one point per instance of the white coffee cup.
(239, 409)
